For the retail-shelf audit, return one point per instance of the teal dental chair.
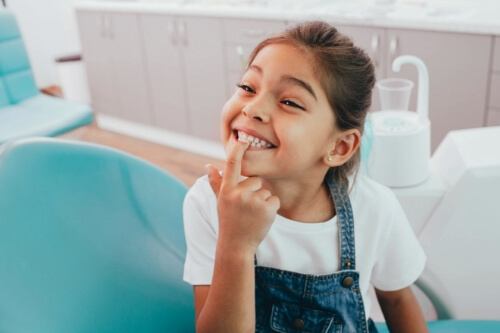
(23, 110)
(91, 240)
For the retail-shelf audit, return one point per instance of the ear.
(346, 145)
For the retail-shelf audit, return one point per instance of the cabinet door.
(129, 69)
(97, 50)
(240, 38)
(165, 72)
(372, 41)
(458, 74)
(203, 50)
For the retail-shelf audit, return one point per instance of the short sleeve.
(201, 237)
(401, 258)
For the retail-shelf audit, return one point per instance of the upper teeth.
(255, 142)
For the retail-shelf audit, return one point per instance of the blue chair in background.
(91, 240)
(23, 110)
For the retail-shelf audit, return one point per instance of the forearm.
(230, 304)
(402, 312)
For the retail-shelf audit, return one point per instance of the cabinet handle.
(241, 55)
(253, 33)
(393, 48)
(182, 32)
(375, 44)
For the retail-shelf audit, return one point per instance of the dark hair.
(345, 72)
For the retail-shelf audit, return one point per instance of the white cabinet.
(458, 67)
(97, 54)
(494, 95)
(165, 70)
(203, 55)
(157, 69)
(240, 38)
(112, 50)
(176, 72)
(185, 63)
(493, 116)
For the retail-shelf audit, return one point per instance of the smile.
(255, 143)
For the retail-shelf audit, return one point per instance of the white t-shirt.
(388, 254)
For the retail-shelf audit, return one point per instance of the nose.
(257, 111)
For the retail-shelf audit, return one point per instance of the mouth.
(255, 143)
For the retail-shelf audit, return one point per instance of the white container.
(400, 150)
(394, 93)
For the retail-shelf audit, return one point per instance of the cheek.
(229, 112)
(302, 141)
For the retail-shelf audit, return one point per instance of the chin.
(247, 171)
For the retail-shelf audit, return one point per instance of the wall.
(49, 30)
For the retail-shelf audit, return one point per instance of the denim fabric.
(290, 302)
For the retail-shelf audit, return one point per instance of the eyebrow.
(290, 79)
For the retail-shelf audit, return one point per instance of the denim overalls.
(289, 302)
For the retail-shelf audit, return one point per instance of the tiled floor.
(184, 165)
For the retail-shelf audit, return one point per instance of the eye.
(248, 89)
(292, 104)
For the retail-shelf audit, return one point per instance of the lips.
(255, 139)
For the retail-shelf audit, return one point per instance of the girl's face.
(280, 100)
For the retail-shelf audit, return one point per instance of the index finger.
(232, 171)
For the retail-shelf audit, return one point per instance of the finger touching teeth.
(254, 142)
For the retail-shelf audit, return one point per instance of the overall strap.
(345, 220)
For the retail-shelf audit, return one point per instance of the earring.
(330, 158)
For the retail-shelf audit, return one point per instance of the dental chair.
(91, 240)
(24, 111)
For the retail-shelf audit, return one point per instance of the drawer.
(495, 90)
(493, 117)
(237, 56)
(496, 55)
(250, 32)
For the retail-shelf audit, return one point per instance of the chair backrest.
(91, 240)
(16, 78)
(461, 236)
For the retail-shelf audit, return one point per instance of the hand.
(246, 210)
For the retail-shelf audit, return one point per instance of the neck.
(305, 200)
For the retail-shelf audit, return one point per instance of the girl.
(288, 238)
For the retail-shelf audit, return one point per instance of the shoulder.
(370, 192)
(375, 206)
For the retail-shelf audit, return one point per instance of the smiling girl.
(290, 238)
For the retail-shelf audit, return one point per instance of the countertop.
(461, 16)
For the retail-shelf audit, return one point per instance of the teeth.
(254, 142)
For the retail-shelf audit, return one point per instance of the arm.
(401, 311)
(246, 212)
(228, 305)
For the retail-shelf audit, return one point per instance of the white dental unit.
(452, 200)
